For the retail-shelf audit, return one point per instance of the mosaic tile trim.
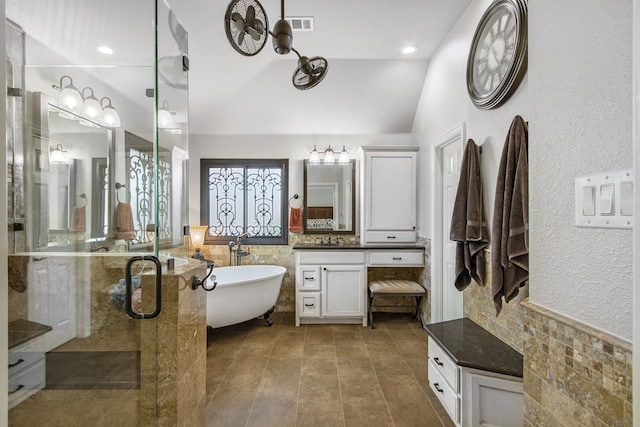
(575, 375)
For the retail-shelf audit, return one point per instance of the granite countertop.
(472, 346)
(334, 246)
(22, 330)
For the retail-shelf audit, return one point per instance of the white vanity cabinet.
(475, 397)
(26, 370)
(331, 287)
(388, 198)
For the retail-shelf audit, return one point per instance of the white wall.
(445, 104)
(296, 148)
(577, 99)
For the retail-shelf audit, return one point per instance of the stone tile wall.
(574, 375)
(478, 306)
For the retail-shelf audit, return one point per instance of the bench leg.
(418, 301)
(371, 311)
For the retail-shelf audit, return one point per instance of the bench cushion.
(395, 287)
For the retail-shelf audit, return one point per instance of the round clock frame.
(498, 54)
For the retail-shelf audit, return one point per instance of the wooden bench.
(394, 288)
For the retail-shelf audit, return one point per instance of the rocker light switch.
(626, 198)
(589, 200)
(606, 199)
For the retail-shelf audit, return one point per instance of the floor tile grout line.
(273, 345)
(227, 370)
(417, 381)
(375, 371)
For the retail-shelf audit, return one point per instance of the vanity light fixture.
(69, 98)
(85, 105)
(91, 108)
(165, 121)
(110, 116)
(344, 156)
(197, 233)
(58, 155)
(314, 157)
(329, 156)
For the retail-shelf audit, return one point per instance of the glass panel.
(264, 202)
(226, 201)
(80, 123)
(172, 155)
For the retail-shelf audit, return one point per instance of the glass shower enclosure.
(97, 148)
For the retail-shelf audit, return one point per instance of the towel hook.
(118, 187)
(296, 197)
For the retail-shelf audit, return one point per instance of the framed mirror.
(329, 198)
(67, 168)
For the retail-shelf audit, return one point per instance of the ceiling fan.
(247, 29)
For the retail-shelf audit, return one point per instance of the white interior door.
(452, 307)
(446, 301)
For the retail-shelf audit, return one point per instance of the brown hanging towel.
(468, 225)
(510, 227)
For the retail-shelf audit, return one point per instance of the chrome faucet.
(238, 248)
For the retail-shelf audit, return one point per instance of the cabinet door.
(391, 190)
(488, 401)
(343, 291)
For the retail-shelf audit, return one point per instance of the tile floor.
(321, 375)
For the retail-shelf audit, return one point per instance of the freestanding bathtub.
(243, 293)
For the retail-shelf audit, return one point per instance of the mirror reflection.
(329, 198)
(68, 160)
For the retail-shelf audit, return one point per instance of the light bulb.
(344, 156)
(314, 157)
(329, 156)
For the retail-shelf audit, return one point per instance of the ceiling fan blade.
(255, 34)
(259, 26)
(240, 38)
(251, 16)
(238, 20)
(318, 70)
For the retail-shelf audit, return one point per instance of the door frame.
(455, 135)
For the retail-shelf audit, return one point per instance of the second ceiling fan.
(247, 29)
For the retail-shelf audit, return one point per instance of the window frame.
(205, 164)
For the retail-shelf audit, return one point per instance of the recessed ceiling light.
(408, 50)
(106, 50)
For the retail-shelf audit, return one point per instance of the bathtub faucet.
(238, 248)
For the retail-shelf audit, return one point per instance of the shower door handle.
(128, 281)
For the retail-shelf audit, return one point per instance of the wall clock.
(497, 58)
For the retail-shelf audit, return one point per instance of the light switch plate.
(605, 200)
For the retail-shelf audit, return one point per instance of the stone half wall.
(574, 375)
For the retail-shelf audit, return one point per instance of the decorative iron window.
(141, 187)
(245, 196)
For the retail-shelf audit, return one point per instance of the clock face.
(497, 52)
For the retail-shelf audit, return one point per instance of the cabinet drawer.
(447, 396)
(26, 382)
(308, 278)
(332, 256)
(391, 258)
(444, 365)
(308, 304)
(408, 236)
(25, 354)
